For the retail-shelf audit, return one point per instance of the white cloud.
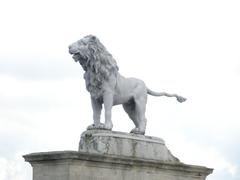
(12, 169)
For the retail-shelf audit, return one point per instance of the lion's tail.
(153, 93)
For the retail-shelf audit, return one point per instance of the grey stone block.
(125, 145)
(73, 165)
(109, 155)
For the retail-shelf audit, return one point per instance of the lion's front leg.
(97, 108)
(108, 103)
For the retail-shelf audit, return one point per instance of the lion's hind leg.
(136, 112)
(130, 109)
(140, 108)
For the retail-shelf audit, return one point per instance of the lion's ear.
(93, 37)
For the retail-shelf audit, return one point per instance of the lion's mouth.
(76, 56)
(79, 57)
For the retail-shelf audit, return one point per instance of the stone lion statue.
(108, 87)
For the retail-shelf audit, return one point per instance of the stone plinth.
(73, 165)
(107, 155)
(125, 145)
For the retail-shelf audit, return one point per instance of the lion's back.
(130, 84)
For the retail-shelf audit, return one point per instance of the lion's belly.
(120, 99)
(126, 89)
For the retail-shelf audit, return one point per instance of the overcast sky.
(187, 47)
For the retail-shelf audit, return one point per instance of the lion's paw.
(137, 131)
(96, 126)
(108, 126)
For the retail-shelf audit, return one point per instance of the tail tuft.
(181, 99)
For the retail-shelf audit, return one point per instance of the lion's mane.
(100, 65)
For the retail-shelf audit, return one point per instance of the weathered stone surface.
(109, 155)
(125, 145)
(73, 165)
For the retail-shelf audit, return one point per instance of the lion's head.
(95, 60)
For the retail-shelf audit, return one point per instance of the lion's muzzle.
(72, 49)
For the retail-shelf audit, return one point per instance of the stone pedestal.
(108, 155)
(125, 145)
